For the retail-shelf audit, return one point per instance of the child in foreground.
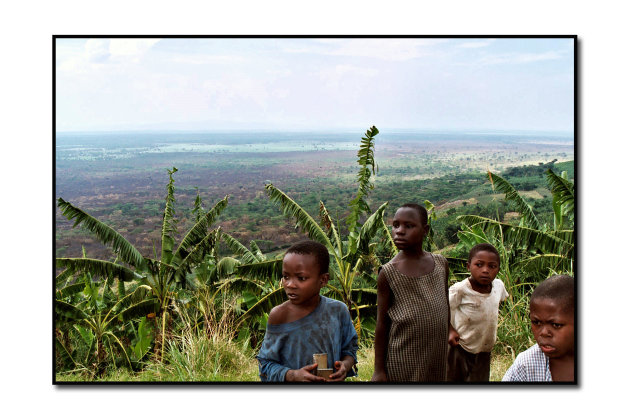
(474, 306)
(307, 323)
(551, 311)
(411, 336)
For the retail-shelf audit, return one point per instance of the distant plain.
(121, 178)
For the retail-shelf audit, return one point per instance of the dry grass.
(499, 364)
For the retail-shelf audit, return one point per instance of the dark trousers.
(467, 367)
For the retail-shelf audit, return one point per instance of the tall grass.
(198, 358)
(203, 349)
(514, 333)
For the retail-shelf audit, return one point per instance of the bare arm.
(453, 336)
(381, 332)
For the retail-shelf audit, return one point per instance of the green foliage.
(198, 311)
(95, 314)
(563, 198)
(354, 259)
(144, 341)
(512, 195)
(359, 204)
(529, 251)
(108, 236)
(155, 282)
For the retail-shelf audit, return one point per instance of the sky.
(105, 84)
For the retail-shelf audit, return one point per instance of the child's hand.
(303, 375)
(341, 371)
(453, 337)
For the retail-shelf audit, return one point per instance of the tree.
(353, 260)
(530, 251)
(95, 312)
(164, 276)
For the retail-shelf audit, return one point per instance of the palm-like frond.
(108, 236)
(546, 264)
(168, 219)
(256, 251)
(240, 285)
(270, 270)
(63, 277)
(69, 290)
(429, 243)
(563, 189)
(200, 229)
(139, 309)
(226, 267)
(327, 222)
(366, 162)
(264, 304)
(104, 269)
(67, 312)
(518, 235)
(371, 227)
(138, 295)
(112, 336)
(567, 235)
(197, 210)
(291, 209)
(457, 266)
(196, 255)
(239, 250)
(388, 241)
(512, 195)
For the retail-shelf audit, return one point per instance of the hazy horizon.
(344, 130)
(413, 83)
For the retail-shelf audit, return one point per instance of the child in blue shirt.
(307, 323)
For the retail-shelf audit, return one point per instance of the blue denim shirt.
(328, 329)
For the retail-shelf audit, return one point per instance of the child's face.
(483, 267)
(552, 326)
(407, 228)
(301, 279)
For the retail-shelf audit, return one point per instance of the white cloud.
(344, 69)
(130, 46)
(397, 49)
(207, 59)
(334, 76)
(96, 50)
(476, 44)
(99, 52)
(520, 58)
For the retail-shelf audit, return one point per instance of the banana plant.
(95, 312)
(164, 276)
(353, 260)
(530, 249)
(563, 198)
(245, 280)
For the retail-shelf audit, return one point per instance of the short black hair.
(483, 247)
(319, 251)
(424, 217)
(559, 288)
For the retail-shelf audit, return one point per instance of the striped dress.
(417, 348)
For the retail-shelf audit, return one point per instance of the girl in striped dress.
(413, 316)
